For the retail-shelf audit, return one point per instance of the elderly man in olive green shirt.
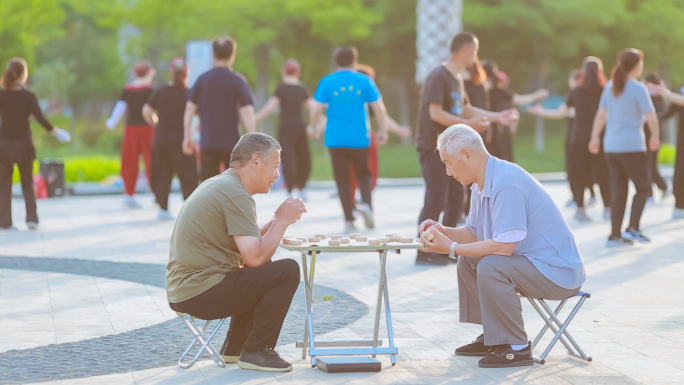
(220, 261)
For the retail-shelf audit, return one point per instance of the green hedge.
(84, 169)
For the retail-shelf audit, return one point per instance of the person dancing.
(624, 103)
(500, 98)
(164, 110)
(582, 165)
(138, 133)
(291, 95)
(17, 104)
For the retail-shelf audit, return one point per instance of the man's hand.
(290, 211)
(479, 124)
(428, 223)
(381, 138)
(654, 143)
(188, 146)
(595, 145)
(439, 244)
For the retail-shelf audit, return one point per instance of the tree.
(26, 24)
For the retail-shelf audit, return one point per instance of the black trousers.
(256, 298)
(358, 157)
(623, 168)
(654, 173)
(26, 176)
(442, 192)
(210, 161)
(295, 157)
(678, 180)
(169, 160)
(585, 168)
(501, 145)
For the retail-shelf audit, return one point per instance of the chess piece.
(322, 236)
(336, 237)
(360, 239)
(404, 239)
(292, 242)
(344, 241)
(314, 239)
(352, 236)
(334, 242)
(374, 242)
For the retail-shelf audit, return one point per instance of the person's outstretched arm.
(556, 113)
(380, 113)
(519, 100)
(268, 108)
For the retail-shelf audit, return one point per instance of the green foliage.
(26, 24)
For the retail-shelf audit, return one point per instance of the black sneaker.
(265, 360)
(230, 353)
(618, 242)
(505, 357)
(475, 348)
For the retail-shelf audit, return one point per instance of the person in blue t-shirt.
(347, 94)
(222, 98)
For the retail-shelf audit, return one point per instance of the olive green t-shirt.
(203, 249)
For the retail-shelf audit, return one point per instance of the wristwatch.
(452, 250)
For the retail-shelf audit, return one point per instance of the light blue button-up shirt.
(511, 199)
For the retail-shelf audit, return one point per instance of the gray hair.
(460, 136)
(250, 144)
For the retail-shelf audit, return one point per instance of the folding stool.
(198, 334)
(560, 329)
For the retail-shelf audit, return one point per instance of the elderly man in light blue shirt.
(515, 241)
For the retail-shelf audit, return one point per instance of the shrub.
(667, 153)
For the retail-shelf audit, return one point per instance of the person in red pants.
(138, 133)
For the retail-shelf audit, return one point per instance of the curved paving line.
(150, 347)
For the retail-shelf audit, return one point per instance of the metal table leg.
(388, 312)
(308, 323)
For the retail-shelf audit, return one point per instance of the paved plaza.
(82, 301)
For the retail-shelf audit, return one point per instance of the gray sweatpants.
(487, 290)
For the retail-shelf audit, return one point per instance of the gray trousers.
(488, 290)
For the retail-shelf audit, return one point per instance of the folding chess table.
(350, 347)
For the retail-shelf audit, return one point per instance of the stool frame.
(199, 336)
(552, 322)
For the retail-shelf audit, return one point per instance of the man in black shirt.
(443, 103)
(222, 98)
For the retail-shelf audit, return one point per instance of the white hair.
(459, 136)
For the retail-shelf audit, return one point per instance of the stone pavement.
(53, 308)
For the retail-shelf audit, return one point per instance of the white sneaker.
(303, 195)
(592, 201)
(349, 227)
(130, 202)
(666, 193)
(32, 225)
(164, 215)
(678, 214)
(367, 213)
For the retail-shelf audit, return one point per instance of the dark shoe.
(230, 353)
(475, 348)
(265, 360)
(432, 259)
(505, 357)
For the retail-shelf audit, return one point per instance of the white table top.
(351, 247)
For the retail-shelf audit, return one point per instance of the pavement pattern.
(633, 326)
